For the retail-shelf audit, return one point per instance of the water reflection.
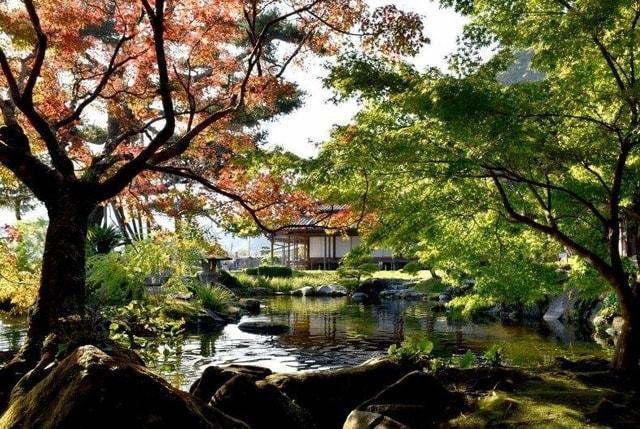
(333, 332)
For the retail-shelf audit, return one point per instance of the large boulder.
(359, 297)
(263, 327)
(214, 377)
(560, 307)
(365, 420)
(417, 400)
(250, 305)
(304, 291)
(331, 290)
(90, 389)
(197, 318)
(260, 404)
(331, 395)
(374, 286)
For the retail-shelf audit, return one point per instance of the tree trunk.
(62, 284)
(627, 350)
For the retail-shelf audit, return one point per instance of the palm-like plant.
(103, 239)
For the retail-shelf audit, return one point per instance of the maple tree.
(95, 93)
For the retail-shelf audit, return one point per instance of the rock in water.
(331, 290)
(250, 305)
(90, 389)
(359, 297)
(304, 291)
(263, 328)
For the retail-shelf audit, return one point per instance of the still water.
(333, 332)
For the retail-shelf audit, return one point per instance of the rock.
(417, 400)
(250, 305)
(365, 420)
(406, 294)
(587, 364)
(6, 356)
(560, 307)
(181, 296)
(359, 297)
(331, 290)
(331, 395)
(260, 404)
(373, 287)
(214, 377)
(196, 317)
(90, 389)
(304, 291)
(443, 298)
(264, 328)
(208, 320)
(257, 291)
(617, 325)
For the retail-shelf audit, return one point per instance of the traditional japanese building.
(310, 245)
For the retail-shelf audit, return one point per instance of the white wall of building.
(343, 246)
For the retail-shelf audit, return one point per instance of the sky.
(303, 130)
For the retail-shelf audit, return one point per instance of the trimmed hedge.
(270, 271)
(251, 271)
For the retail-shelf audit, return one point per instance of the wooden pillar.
(324, 247)
(273, 238)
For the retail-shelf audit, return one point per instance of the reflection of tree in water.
(13, 338)
(208, 344)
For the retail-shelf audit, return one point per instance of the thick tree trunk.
(627, 350)
(62, 284)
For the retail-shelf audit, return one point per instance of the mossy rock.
(90, 389)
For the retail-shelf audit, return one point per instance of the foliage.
(493, 356)
(103, 239)
(414, 267)
(298, 280)
(228, 280)
(358, 272)
(467, 360)
(274, 271)
(20, 263)
(470, 304)
(213, 297)
(142, 326)
(118, 277)
(414, 349)
(357, 264)
(252, 271)
(493, 169)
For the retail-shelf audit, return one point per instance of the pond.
(333, 332)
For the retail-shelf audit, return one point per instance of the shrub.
(143, 327)
(214, 297)
(228, 280)
(103, 239)
(413, 349)
(414, 267)
(275, 271)
(358, 272)
(494, 356)
(253, 271)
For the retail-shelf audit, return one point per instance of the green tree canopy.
(492, 168)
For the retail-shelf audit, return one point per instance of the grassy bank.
(313, 278)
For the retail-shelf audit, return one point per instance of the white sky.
(302, 130)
